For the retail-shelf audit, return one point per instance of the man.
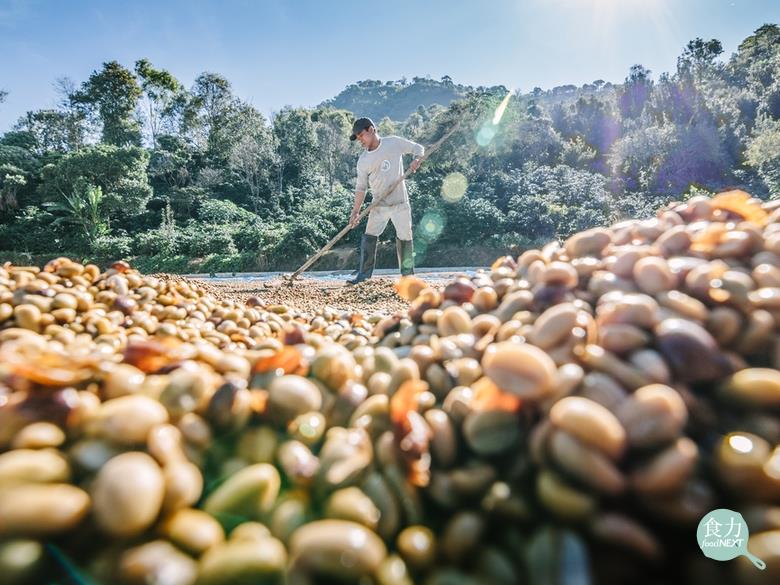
(378, 167)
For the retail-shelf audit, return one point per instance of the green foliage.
(471, 221)
(205, 113)
(185, 200)
(112, 95)
(161, 92)
(555, 202)
(153, 242)
(396, 99)
(322, 216)
(119, 171)
(21, 139)
(755, 50)
(698, 58)
(637, 157)
(577, 153)
(29, 231)
(253, 159)
(295, 139)
(176, 263)
(304, 236)
(763, 154)
(11, 180)
(635, 92)
(53, 130)
(259, 238)
(216, 211)
(535, 140)
(82, 209)
(201, 239)
(18, 157)
(166, 240)
(333, 128)
(106, 249)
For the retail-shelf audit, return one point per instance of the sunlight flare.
(501, 108)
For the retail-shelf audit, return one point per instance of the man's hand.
(415, 164)
(353, 218)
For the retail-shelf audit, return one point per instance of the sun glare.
(608, 17)
(501, 108)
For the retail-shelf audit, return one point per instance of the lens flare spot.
(453, 188)
(431, 226)
(486, 134)
(420, 248)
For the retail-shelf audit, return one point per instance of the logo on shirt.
(385, 165)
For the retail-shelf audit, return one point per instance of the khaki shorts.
(401, 216)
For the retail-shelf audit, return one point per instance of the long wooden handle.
(377, 200)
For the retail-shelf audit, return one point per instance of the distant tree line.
(132, 164)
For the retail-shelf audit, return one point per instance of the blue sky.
(300, 52)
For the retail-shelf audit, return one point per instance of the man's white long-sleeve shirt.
(379, 168)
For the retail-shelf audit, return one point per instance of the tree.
(385, 126)
(555, 202)
(636, 158)
(763, 154)
(596, 120)
(159, 90)
(211, 102)
(53, 130)
(119, 172)
(698, 57)
(112, 94)
(295, 141)
(577, 153)
(333, 128)
(472, 220)
(19, 157)
(636, 91)
(534, 139)
(172, 163)
(759, 47)
(252, 159)
(696, 158)
(3, 95)
(20, 139)
(413, 125)
(11, 180)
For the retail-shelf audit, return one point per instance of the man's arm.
(409, 147)
(361, 186)
(359, 197)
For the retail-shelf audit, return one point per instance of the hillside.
(399, 99)
(396, 99)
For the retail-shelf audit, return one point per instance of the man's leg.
(377, 221)
(404, 245)
(367, 259)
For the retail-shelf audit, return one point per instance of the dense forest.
(133, 165)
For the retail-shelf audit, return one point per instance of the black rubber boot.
(405, 251)
(367, 259)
